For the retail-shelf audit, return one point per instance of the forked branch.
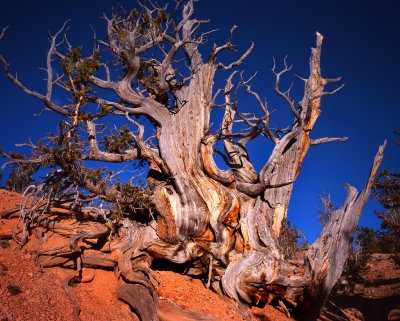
(43, 98)
(237, 62)
(97, 154)
(285, 95)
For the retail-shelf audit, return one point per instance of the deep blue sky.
(362, 45)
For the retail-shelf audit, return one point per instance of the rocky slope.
(375, 296)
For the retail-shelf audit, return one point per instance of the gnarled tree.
(225, 224)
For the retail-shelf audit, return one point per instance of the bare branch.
(227, 45)
(285, 95)
(175, 22)
(211, 168)
(50, 54)
(140, 127)
(236, 152)
(3, 32)
(147, 107)
(49, 104)
(239, 61)
(104, 84)
(264, 108)
(152, 154)
(97, 154)
(328, 140)
(327, 255)
(256, 189)
(187, 26)
(327, 93)
(107, 71)
(46, 100)
(37, 161)
(229, 112)
(139, 138)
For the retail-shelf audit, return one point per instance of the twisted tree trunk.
(225, 224)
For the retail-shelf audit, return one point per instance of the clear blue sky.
(362, 45)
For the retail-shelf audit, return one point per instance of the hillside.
(29, 292)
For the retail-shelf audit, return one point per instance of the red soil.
(28, 292)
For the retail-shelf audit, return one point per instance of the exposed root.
(84, 248)
(209, 272)
(93, 259)
(140, 300)
(56, 261)
(34, 203)
(73, 244)
(285, 310)
(70, 280)
(139, 291)
(169, 311)
(95, 234)
(8, 212)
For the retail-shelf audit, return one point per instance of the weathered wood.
(326, 257)
(225, 222)
(68, 281)
(169, 311)
(140, 300)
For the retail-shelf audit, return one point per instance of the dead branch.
(239, 61)
(325, 140)
(285, 95)
(97, 154)
(327, 255)
(3, 32)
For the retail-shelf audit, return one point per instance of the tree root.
(70, 280)
(169, 311)
(125, 256)
(285, 310)
(140, 300)
(9, 213)
(93, 259)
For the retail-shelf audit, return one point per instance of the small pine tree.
(387, 191)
